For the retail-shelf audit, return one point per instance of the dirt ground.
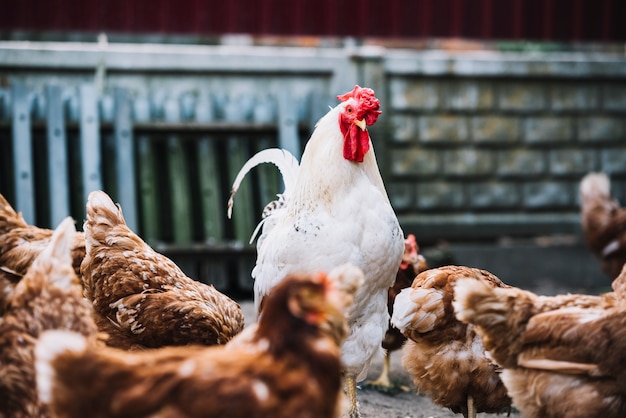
(374, 404)
(412, 405)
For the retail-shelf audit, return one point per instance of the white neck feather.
(324, 172)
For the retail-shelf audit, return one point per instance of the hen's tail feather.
(595, 185)
(477, 303)
(102, 217)
(102, 210)
(287, 165)
(9, 218)
(56, 259)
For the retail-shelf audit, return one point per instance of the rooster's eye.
(349, 109)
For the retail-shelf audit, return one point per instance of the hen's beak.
(361, 124)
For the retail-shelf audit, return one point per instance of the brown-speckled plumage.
(8, 280)
(289, 366)
(21, 243)
(603, 223)
(413, 263)
(445, 357)
(563, 356)
(49, 296)
(140, 297)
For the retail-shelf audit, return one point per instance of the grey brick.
(520, 162)
(440, 195)
(415, 161)
(494, 194)
(600, 128)
(404, 128)
(574, 96)
(520, 96)
(468, 95)
(547, 194)
(618, 190)
(548, 129)
(615, 97)
(401, 195)
(572, 161)
(468, 162)
(447, 128)
(613, 160)
(414, 94)
(495, 129)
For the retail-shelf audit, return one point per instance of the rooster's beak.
(361, 124)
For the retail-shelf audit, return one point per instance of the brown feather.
(140, 297)
(603, 223)
(22, 243)
(38, 303)
(8, 280)
(413, 263)
(288, 366)
(444, 356)
(563, 356)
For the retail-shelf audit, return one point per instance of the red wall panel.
(560, 20)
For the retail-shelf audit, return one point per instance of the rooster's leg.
(471, 410)
(383, 380)
(351, 393)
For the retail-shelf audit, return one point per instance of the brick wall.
(480, 156)
(472, 146)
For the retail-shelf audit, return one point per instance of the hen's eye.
(349, 109)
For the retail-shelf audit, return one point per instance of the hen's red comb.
(410, 252)
(369, 104)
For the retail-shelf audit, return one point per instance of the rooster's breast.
(358, 226)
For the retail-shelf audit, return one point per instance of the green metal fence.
(168, 163)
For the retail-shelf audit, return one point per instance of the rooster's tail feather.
(283, 159)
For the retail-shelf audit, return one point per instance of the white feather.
(336, 212)
(49, 346)
(287, 165)
(403, 309)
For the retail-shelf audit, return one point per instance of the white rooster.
(334, 210)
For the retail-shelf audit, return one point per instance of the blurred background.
(492, 113)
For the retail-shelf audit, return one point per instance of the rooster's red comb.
(361, 94)
(369, 104)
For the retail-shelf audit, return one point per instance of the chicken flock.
(99, 324)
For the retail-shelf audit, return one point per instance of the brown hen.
(8, 280)
(140, 297)
(49, 296)
(562, 356)
(21, 243)
(289, 365)
(445, 357)
(603, 223)
(413, 263)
